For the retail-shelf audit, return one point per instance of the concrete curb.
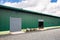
(24, 30)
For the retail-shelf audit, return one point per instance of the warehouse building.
(15, 19)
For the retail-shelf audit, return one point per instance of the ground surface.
(40, 35)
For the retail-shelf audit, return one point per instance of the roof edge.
(23, 10)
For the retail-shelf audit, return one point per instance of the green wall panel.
(28, 20)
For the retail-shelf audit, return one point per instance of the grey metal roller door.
(15, 24)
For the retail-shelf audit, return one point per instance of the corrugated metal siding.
(28, 20)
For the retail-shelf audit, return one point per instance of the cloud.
(44, 6)
(23, 4)
(35, 5)
(53, 8)
(40, 5)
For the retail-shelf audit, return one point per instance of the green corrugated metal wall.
(28, 20)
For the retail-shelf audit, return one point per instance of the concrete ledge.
(24, 30)
(53, 27)
(4, 32)
(16, 32)
(45, 28)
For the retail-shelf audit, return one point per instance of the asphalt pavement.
(39, 35)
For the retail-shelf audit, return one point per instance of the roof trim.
(22, 10)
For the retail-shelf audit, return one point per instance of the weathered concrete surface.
(40, 35)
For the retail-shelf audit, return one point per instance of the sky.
(50, 7)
